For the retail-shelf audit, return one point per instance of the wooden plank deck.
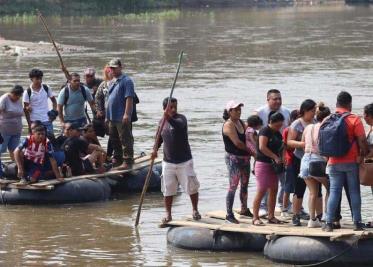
(215, 220)
(139, 164)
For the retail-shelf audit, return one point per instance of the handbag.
(316, 168)
(278, 168)
(366, 172)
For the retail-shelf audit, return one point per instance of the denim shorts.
(11, 142)
(305, 164)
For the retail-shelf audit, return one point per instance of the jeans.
(338, 175)
(81, 122)
(11, 142)
(49, 126)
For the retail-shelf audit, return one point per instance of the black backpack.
(67, 94)
(29, 92)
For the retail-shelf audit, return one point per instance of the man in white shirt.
(274, 103)
(35, 101)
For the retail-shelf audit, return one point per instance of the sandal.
(274, 220)
(258, 222)
(196, 216)
(166, 220)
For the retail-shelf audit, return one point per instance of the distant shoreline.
(112, 7)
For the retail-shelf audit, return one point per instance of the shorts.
(10, 142)
(181, 174)
(305, 164)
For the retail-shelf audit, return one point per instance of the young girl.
(254, 123)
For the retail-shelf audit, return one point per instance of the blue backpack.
(333, 136)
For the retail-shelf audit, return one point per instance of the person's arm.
(291, 142)
(60, 113)
(128, 110)
(60, 104)
(230, 130)
(27, 111)
(18, 156)
(93, 147)
(55, 170)
(100, 101)
(363, 146)
(263, 141)
(54, 102)
(93, 106)
(250, 143)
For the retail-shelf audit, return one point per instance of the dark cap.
(115, 63)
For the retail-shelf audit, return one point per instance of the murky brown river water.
(305, 52)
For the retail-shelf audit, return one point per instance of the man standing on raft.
(177, 165)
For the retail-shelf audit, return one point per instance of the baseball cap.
(115, 63)
(233, 104)
(75, 126)
(90, 71)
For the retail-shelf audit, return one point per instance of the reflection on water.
(306, 52)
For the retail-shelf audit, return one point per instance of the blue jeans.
(81, 122)
(338, 174)
(49, 126)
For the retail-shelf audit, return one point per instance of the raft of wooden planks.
(215, 220)
(139, 164)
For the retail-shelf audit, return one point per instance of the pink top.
(311, 136)
(249, 144)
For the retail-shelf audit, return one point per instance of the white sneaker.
(314, 223)
(285, 214)
(263, 213)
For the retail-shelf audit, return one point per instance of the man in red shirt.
(346, 168)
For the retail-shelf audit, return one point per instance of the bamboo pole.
(155, 147)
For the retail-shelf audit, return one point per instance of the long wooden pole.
(65, 71)
(155, 147)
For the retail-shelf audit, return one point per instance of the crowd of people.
(307, 148)
(76, 150)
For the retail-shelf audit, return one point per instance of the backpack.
(82, 90)
(333, 136)
(29, 92)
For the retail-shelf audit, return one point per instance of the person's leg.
(48, 126)
(13, 143)
(319, 204)
(345, 186)
(109, 149)
(187, 178)
(126, 138)
(312, 185)
(168, 206)
(256, 203)
(169, 185)
(116, 143)
(280, 197)
(352, 174)
(234, 177)
(194, 200)
(272, 193)
(336, 179)
(244, 180)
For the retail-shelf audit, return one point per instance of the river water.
(306, 52)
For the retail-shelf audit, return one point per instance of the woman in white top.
(11, 112)
(313, 165)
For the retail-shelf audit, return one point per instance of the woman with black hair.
(307, 113)
(237, 158)
(269, 155)
(11, 112)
